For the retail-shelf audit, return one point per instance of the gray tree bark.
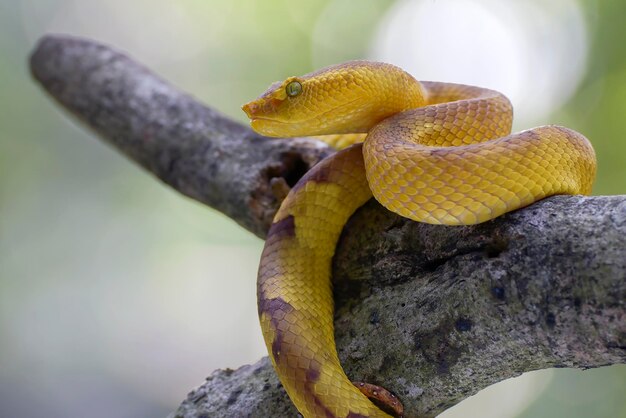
(432, 313)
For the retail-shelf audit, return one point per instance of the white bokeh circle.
(533, 51)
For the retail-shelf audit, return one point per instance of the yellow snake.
(434, 152)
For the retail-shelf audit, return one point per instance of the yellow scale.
(439, 153)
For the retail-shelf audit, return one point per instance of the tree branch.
(432, 313)
(191, 147)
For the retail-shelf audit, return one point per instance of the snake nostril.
(250, 109)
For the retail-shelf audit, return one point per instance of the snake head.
(345, 98)
(275, 107)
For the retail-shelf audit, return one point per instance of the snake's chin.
(268, 127)
(273, 128)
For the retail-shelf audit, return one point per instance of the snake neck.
(374, 91)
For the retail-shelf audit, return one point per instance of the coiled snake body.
(435, 152)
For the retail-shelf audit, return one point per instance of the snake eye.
(293, 89)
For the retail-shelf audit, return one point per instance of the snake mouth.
(258, 118)
(269, 127)
(256, 109)
(279, 126)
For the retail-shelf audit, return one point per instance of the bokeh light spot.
(532, 51)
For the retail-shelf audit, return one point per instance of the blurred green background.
(117, 295)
